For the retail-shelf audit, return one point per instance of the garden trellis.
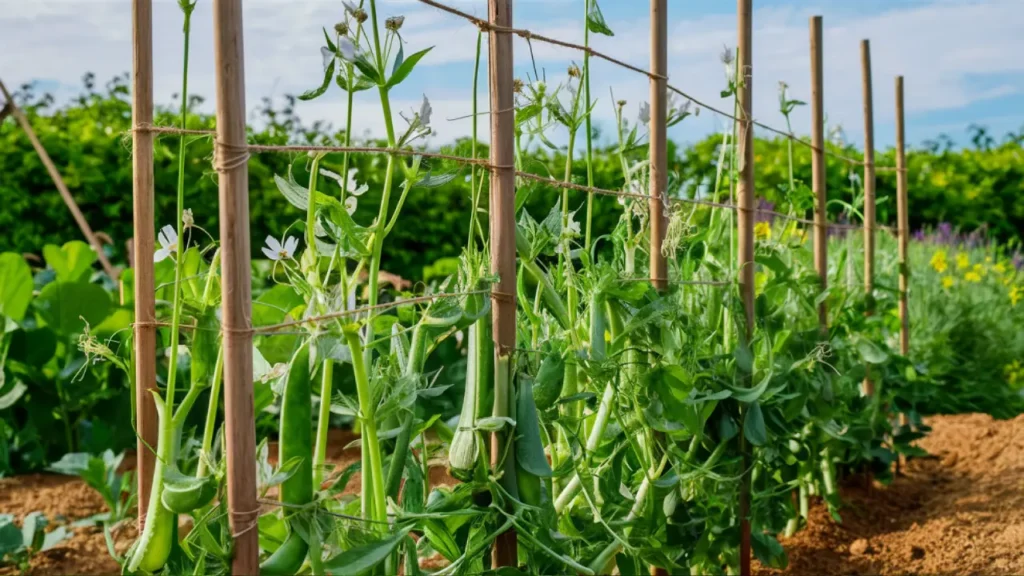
(236, 324)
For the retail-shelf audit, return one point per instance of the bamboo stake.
(745, 205)
(868, 387)
(658, 141)
(903, 227)
(58, 181)
(503, 247)
(236, 283)
(818, 165)
(904, 224)
(141, 255)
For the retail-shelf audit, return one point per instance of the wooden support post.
(11, 108)
(236, 295)
(868, 386)
(143, 224)
(503, 244)
(818, 173)
(903, 224)
(745, 236)
(659, 141)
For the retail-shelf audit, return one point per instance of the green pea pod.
(183, 494)
(154, 546)
(296, 442)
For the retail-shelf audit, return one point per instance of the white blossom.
(168, 243)
(645, 113)
(350, 6)
(346, 49)
(728, 58)
(327, 55)
(425, 111)
(277, 251)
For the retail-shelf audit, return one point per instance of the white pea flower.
(168, 243)
(854, 178)
(350, 6)
(351, 204)
(728, 58)
(277, 371)
(277, 251)
(425, 111)
(645, 113)
(352, 186)
(346, 49)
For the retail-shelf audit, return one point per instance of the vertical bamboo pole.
(659, 140)
(818, 165)
(503, 240)
(868, 386)
(903, 225)
(236, 288)
(58, 181)
(745, 205)
(143, 219)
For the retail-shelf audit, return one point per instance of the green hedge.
(86, 139)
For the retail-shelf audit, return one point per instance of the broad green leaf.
(405, 69)
(71, 262)
(748, 395)
(68, 306)
(870, 352)
(32, 530)
(10, 535)
(441, 538)
(529, 446)
(753, 425)
(768, 550)
(367, 68)
(362, 559)
(15, 286)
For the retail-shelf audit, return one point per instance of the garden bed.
(959, 511)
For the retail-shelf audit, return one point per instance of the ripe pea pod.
(296, 441)
(183, 494)
(154, 546)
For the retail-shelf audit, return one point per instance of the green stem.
(323, 423)
(367, 414)
(472, 171)
(211, 412)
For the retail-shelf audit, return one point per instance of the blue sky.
(961, 58)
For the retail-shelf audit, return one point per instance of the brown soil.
(959, 512)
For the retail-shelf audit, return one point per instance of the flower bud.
(394, 23)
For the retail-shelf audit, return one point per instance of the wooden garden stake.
(903, 225)
(503, 244)
(868, 386)
(659, 141)
(143, 218)
(745, 205)
(231, 162)
(903, 228)
(818, 170)
(11, 108)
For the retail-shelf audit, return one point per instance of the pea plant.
(638, 419)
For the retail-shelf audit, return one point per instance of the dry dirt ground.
(959, 512)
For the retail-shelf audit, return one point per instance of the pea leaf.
(403, 71)
(72, 262)
(317, 92)
(753, 425)
(870, 352)
(16, 288)
(67, 306)
(362, 559)
(768, 550)
(596, 22)
(529, 446)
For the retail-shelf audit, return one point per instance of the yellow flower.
(794, 233)
(947, 282)
(962, 261)
(1016, 294)
(762, 231)
(980, 269)
(972, 277)
(1000, 268)
(938, 261)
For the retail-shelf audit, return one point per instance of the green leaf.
(753, 425)
(71, 262)
(68, 306)
(32, 530)
(548, 383)
(319, 91)
(529, 446)
(596, 22)
(405, 69)
(330, 43)
(441, 538)
(367, 68)
(10, 392)
(10, 536)
(768, 550)
(748, 395)
(16, 288)
(870, 352)
(362, 559)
